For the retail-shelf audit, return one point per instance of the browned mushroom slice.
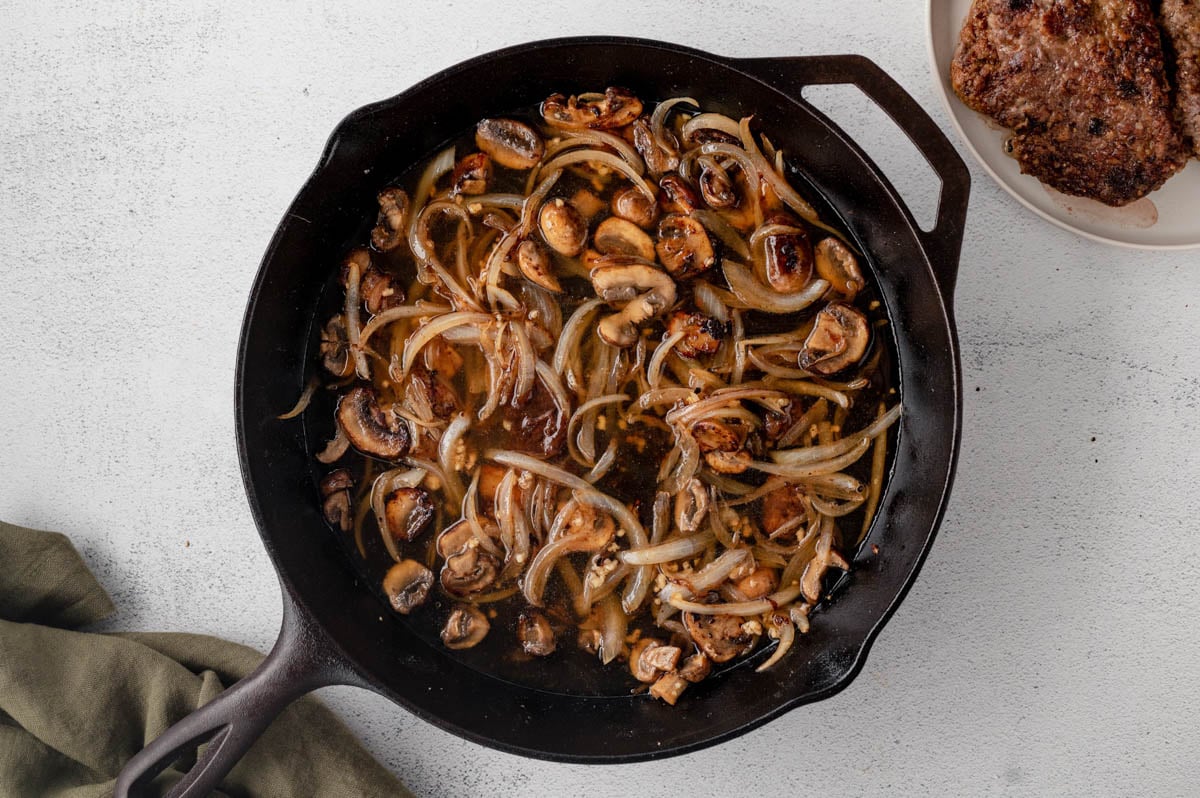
(617, 108)
(676, 195)
(710, 135)
(408, 511)
(336, 480)
(789, 260)
(466, 627)
(720, 637)
(368, 428)
(379, 291)
(510, 143)
(472, 174)
(716, 187)
(391, 225)
(683, 246)
(669, 687)
(717, 436)
(616, 236)
(695, 668)
(781, 506)
(761, 582)
(562, 227)
(337, 511)
(469, 570)
(632, 205)
(430, 396)
(728, 462)
(839, 339)
(459, 534)
(650, 658)
(658, 160)
(646, 291)
(407, 585)
(335, 348)
(691, 506)
(702, 335)
(535, 634)
(535, 264)
(837, 264)
(778, 422)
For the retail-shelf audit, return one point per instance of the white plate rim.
(940, 87)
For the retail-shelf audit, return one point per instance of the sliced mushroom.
(368, 428)
(716, 187)
(658, 159)
(824, 559)
(683, 246)
(676, 195)
(617, 108)
(728, 462)
(839, 339)
(706, 135)
(761, 582)
(466, 627)
(535, 634)
(469, 570)
(669, 687)
(702, 335)
(695, 668)
(335, 348)
(646, 290)
(379, 291)
(335, 481)
(650, 658)
(589, 529)
(781, 506)
(718, 436)
(616, 236)
(337, 511)
(778, 422)
(535, 264)
(407, 585)
(837, 264)
(391, 225)
(789, 258)
(562, 227)
(720, 637)
(407, 511)
(691, 506)
(472, 174)
(510, 143)
(460, 534)
(632, 205)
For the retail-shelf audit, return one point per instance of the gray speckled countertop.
(147, 151)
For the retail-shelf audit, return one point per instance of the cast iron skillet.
(335, 629)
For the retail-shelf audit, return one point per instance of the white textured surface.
(147, 151)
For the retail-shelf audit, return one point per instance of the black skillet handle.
(300, 662)
(944, 241)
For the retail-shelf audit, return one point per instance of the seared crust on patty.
(1081, 84)
(1180, 21)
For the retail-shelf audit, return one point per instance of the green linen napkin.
(74, 706)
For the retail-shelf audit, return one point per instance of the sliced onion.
(582, 138)
(658, 121)
(810, 454)
(777, 182)
(573, 330)
(440, 165)
(587, 408)
(435, 327)
(808, 388)
(706, 578)
(384, 484)
(836, 509)
(513, 202)
(759, 297)
(336, 448)
(661, 352)
(606, 158)
(758, 607)
(816, 468)
(613, 623)
(675, 549)
(455, 430)
(386, 317)
(709, 301)
(716, 224)
(604, 464)
(303, 402)
(787, 634)
(722, 398)
(352, 329)
(710, 120)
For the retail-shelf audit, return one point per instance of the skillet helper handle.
(234, 720)
(944, 241)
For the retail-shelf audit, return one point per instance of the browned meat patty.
(1081, 84)
(1180, 20)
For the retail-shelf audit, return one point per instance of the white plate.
(1166, 219)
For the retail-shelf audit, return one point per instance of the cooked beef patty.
(1180, 20)
(1082, 86)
